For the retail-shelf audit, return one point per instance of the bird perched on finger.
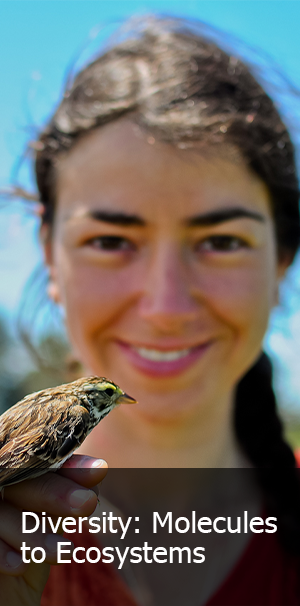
(44, 429)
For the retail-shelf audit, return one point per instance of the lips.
(162, 362)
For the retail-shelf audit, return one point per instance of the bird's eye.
(109, 391)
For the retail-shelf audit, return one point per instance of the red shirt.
(265, 575)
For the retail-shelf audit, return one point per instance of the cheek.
(93, 297)
(242, 297)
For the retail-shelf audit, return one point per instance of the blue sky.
(39, 38)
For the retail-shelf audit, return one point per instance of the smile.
(162, 356)
(162, 363)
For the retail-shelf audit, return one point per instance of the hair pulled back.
(180, 87)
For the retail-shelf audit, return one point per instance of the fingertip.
(84, 470)
(11, 562)
(99, 463)
(84, 462)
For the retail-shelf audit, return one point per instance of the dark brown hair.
(182, 88)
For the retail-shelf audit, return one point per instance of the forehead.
(121, 166)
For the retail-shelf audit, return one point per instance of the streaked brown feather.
(43, 430)
(34, 429)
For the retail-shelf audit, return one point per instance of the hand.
(72, 491)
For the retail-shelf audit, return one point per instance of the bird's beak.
(124, 398)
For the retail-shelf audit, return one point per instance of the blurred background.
(40, 42)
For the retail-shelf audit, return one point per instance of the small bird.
(44, 429)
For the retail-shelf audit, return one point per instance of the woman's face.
(165, 263)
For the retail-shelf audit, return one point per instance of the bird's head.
(103, 396)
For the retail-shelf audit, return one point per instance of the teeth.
(162, 356)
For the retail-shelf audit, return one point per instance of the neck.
(131, 440)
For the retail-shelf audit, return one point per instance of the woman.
(170, 214)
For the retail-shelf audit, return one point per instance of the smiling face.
(165, 262)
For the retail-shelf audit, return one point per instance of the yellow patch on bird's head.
(107, 389)
(102, 386)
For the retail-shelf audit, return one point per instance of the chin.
(165, 407)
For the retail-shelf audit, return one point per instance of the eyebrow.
(204, 220)
(220, 216)
(117, 218)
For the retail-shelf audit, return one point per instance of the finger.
(53, 494)
(84, 461)
(12, 525)
(84, 470)
(10, 560)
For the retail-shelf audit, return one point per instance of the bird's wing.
(41, 441)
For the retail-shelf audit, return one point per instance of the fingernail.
(13, 559)
(51, 541)
(99, 463)
(80, 497)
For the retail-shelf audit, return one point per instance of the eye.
(109, 391)
(111, 243)
(221, 244)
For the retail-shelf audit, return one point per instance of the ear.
(283, 264)
(46, 241)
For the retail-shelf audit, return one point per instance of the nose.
(167, 300)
